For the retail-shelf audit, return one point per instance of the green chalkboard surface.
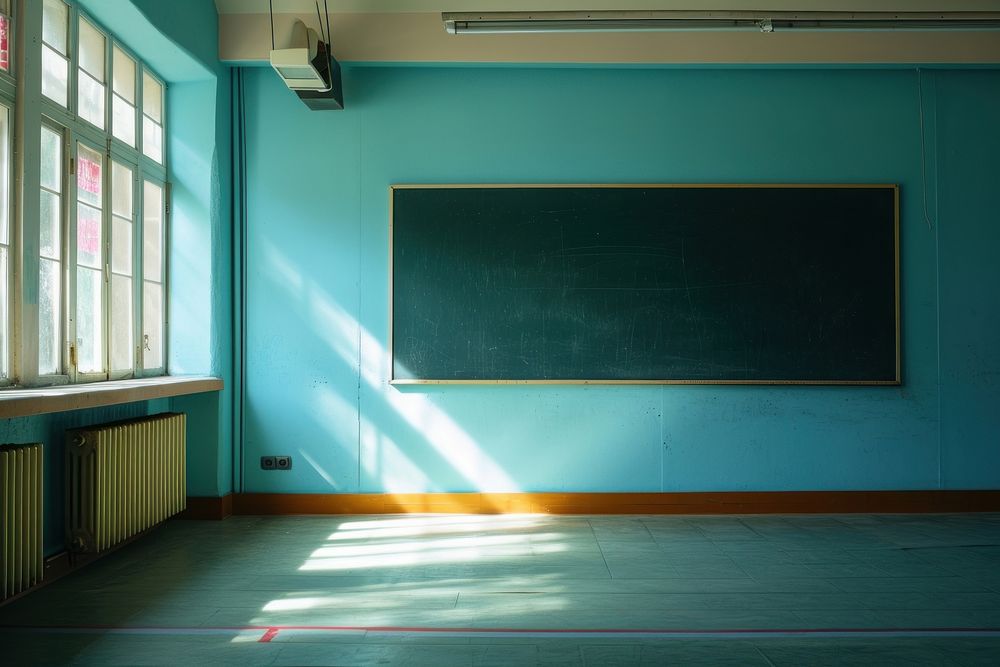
(772, 284)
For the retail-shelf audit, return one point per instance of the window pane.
(89, 338)
(121, 323)
(121, 222)
(91, 100)
(4, 43)
(121, 190)
(152, 325)
(4, 239)
(121, 246)
(123, 120)
(48, 317)
(4, 335)
(51, 160)
(88, 176)
(152, 98)
(124, 76)
(55, 18)
(152, 232)
(88, 236)
(49, 228)
(152, 139)
(4, 175)
(55, 76)
(91, 50)
(49, 268)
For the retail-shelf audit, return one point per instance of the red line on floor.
(269, 635)
(271, 630)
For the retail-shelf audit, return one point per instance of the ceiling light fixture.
(670, 20)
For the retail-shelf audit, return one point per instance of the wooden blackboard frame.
(897, 381)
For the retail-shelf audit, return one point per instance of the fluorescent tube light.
(656, 21)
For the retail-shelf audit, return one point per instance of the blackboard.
(706, 284)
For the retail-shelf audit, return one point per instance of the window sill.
(28, 402)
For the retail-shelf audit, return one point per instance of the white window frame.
(164, 273)
(8, 98)
(60, 376)
(7, 328)
(76, 131)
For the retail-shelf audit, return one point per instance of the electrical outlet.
(283, 462)
(267, 463)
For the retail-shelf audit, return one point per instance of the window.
(101, 224)
(90, 82)
(89, 292)
(50, 254)
(5, 208)
(152, 118)
(122, 268)
(55, 51)
(153, 271)
(123, 99)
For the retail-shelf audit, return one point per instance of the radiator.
(123, 478)
(20, 518)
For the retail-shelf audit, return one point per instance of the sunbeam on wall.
(378, 453)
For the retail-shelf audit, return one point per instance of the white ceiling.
(368, 6)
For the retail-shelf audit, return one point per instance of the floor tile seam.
(600, 548)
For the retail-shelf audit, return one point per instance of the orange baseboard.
(208, 509)
(749, 502)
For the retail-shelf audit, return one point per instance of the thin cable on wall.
(923, 145)
(270, 11)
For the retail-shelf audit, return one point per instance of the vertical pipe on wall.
(239, 273)
(927, 117)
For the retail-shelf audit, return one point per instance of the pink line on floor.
(270, 631)
(269, 635)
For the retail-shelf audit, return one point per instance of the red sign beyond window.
(4, 43)
(88, 233)
(88, 177)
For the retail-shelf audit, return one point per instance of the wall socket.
(276, 463)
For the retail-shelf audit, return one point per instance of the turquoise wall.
(179, 40)
(317, 309)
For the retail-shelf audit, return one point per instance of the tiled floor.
(503, 590)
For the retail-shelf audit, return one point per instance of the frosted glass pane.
(49, 236)
(89, 332)
(89, 167)
(123, 74)
(49, 330)
(55, 18)
(121, 246)
(91, 100)
(55, 76)
(91, 50)
(152, 98)
(51, 169)
(4, 316)
(88, 236)
(121, 323)
(152, 325)
(121, 190)
(152, 139)
(4, 175)
(123, 120)
(152, 232)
